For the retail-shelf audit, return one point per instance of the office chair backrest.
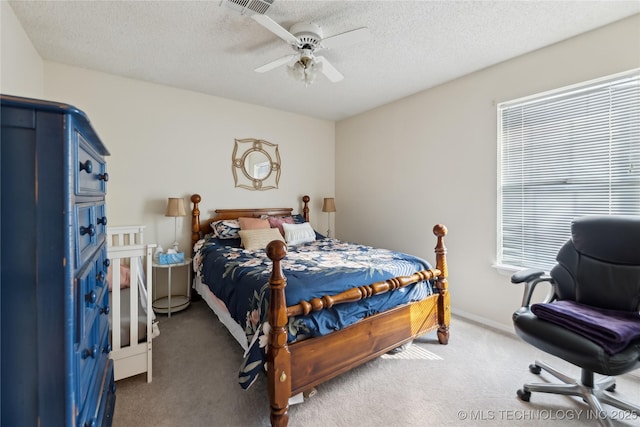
(600, 264)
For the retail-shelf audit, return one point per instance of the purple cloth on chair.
(612, 329)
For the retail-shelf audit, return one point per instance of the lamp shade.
(175, 207)
(329, 204)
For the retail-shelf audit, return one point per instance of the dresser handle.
(91, 230)
(105, 310)
(102, 220)
(106, 262)
(90, 352)
(100, 276)
(90, 423)
(91, 297)
(107, 349)
(86, 166)
(103, 177)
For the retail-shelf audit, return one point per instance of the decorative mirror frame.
(242, 178)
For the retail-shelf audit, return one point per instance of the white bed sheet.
(220, 309)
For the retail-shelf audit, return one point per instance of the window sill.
(506, 270)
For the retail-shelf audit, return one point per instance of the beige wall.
(21, 68)
(432, 158)
(167, 142)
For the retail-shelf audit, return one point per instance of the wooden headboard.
(201, 227)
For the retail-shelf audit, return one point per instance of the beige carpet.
(470, 382)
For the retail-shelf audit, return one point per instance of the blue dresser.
(54, 294)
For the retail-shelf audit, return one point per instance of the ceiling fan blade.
(274, 64)
(329, 70)
(346, 38)
(276, 29)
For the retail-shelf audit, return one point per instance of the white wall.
(21, 68)
(431, 158)
(167, 142)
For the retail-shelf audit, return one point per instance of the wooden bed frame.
(298, 367)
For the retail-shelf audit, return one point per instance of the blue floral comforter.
(240, 278)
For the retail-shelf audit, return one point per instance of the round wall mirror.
(256, 164)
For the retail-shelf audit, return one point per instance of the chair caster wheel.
(535, 369)
(612, 387)
(524, 395)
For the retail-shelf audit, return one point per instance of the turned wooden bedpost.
(444, 308)
(278, 356)
(195, 220)
(305, 209)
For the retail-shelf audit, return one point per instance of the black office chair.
(599, 267)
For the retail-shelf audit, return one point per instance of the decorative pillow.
(247, 223)
(298, 219)
(259, 238)
(226, 229)
(294, 234)
(277, 221)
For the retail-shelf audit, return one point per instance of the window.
(563, 154)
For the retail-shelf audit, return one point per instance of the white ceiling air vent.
(249, 7)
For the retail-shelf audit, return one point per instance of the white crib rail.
(126, 235)
(126, 247)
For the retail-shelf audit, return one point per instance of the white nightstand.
(171, 303)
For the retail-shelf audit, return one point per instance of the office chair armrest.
(531, 278)
(526, 275)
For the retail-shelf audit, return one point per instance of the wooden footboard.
(300, 366)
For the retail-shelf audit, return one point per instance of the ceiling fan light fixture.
(313, 69)
(306, 38)
(305, 69)
(296, 71)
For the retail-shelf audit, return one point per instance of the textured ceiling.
(208, 47)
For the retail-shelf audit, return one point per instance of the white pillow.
(259, 238)
(294, 234)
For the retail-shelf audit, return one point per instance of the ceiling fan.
(306, 39)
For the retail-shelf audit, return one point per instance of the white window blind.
(564, 154)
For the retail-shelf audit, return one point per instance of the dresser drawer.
(92, 298)
(91, 356)
(90, 229)
(91, 174)
(103, 318)
(101, 219)
(102, 267)
(100, 403)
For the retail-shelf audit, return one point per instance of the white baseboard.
(507, 329)
(484, 321)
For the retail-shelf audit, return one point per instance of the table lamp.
(175, 208)
(329, 206)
